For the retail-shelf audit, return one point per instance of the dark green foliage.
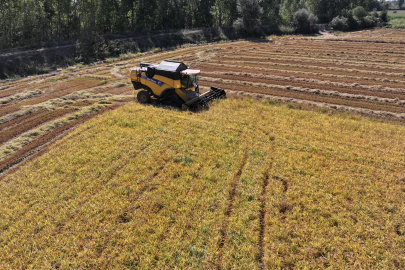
(326, 10)
(339, 24)
(358, 18)
(91, 49)
(271, 11)
(43, 22)
(353, 23)
(304, 22)
(250, 13)
(359, 12)
(384, 16)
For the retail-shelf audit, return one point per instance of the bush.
(384, 16)
(351, 21)
(356, 18)
(304, 22)
(360, 13)
(363, 18)
(90, 49)
(339, 24)
(370, 21)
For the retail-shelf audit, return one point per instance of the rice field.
(244, 185)
(258, 181)
(361, 72)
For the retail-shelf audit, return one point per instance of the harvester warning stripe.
(153, 80)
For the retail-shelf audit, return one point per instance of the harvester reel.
(143, 97)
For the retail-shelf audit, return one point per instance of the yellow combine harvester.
(171, 83)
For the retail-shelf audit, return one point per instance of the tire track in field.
(125, 216)
(262, 220)
(229, 209)
(283, 207)
(262, 212)
(262, 216)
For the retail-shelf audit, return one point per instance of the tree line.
(28, 22)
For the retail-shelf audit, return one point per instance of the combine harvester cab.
(172, 83)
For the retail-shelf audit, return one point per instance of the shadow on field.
(170, 106)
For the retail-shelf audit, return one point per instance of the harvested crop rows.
(307, 69)
(35, 110)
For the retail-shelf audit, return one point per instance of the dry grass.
(21, 96)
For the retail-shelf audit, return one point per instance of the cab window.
(189, 81)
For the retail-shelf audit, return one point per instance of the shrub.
(353, 24)
(304, 22)
(384, 16)
(91, 48)
(339, 24)
(359, 12)
(370, 21)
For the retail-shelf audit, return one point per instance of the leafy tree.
(225, 12)
(204, 17)
(339, 24)
(288, 7)
(250, 13)
(304, 22)
(359, 12)
(271, 11)
(29, 22)
(326, 10)
(146, 15)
